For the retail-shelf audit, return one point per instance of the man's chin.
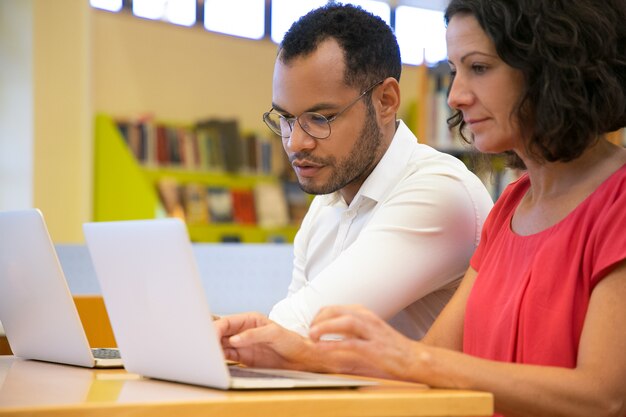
(314, 188)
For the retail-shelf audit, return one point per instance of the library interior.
(108, 114)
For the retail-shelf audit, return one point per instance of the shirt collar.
(389, 170)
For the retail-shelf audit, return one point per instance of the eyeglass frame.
(291, 121)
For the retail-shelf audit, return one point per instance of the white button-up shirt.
(400, 247)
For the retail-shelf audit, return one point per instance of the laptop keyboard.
(106, 353)
(245, 373)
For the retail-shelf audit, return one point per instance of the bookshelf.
(124, 189)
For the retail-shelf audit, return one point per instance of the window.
(421, 35)
(180, 12)
(285, 12)
(419, 28)
(244, 18)
(110, 5)
(378, 8)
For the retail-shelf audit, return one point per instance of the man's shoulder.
(427, 162)
(443, 177)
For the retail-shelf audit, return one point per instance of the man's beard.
(354, 167)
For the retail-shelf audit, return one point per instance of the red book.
(162, 147)
(243, 206)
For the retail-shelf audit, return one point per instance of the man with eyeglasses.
(394, 222)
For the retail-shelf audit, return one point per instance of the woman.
(538, 318)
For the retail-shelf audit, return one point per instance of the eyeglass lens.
(315, 124)
(312, 123)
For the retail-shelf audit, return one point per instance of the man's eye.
(316, 118)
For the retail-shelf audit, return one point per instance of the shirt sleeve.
(497, 218)
(608, 240)
(419, 239)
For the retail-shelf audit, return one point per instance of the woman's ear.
(387, 99)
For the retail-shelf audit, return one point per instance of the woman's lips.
(474, 122)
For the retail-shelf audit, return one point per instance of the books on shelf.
(196, 203)
(243, 206)
(169, 193)
(268, 204)
(297, 201)
(271, 205)
(223, 143)
(227, 186)
(220, 204)
(214, 145)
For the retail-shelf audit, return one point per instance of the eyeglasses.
(314, 124)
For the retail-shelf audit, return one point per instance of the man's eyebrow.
(280, 109)
(316, 108)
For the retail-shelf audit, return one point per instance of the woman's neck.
(557, 188)
(552, 179)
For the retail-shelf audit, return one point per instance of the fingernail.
(235, 339)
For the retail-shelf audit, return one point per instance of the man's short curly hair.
(370, 48)
(572, 54)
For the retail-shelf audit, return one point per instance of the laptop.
(37, 310)
(160, 315)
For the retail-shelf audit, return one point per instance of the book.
(169, 192)
(196, 203)
(149, 149)
(220, 204)
(173, 146)
(243, 206)
(225, 142)
(162, 146)
(231, 145)
(249, 153)
(209, 146)
(297, 201)
(271, 205)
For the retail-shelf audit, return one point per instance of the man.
(394, 223)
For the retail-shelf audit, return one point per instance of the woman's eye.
(479, 69)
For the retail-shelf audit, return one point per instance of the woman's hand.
(354, 340)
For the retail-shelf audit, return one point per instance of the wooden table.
(42, 389)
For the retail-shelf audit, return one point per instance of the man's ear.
(387, 100)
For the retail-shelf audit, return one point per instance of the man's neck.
(350, 191)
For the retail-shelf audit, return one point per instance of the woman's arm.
(255, 340)
(447, 330)
(596, 387)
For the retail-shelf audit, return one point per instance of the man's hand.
(255, 340)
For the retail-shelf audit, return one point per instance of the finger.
(335, 319)
(255, 335)
(225, 342)
(232, 354)
(349, 326)
(231, 325)
(326, 313)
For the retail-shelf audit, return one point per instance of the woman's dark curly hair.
(370, 48)
(573, 57)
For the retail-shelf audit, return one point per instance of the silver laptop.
(37, 310)
(159, 312)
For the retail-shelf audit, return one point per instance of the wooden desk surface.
(42, 389)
